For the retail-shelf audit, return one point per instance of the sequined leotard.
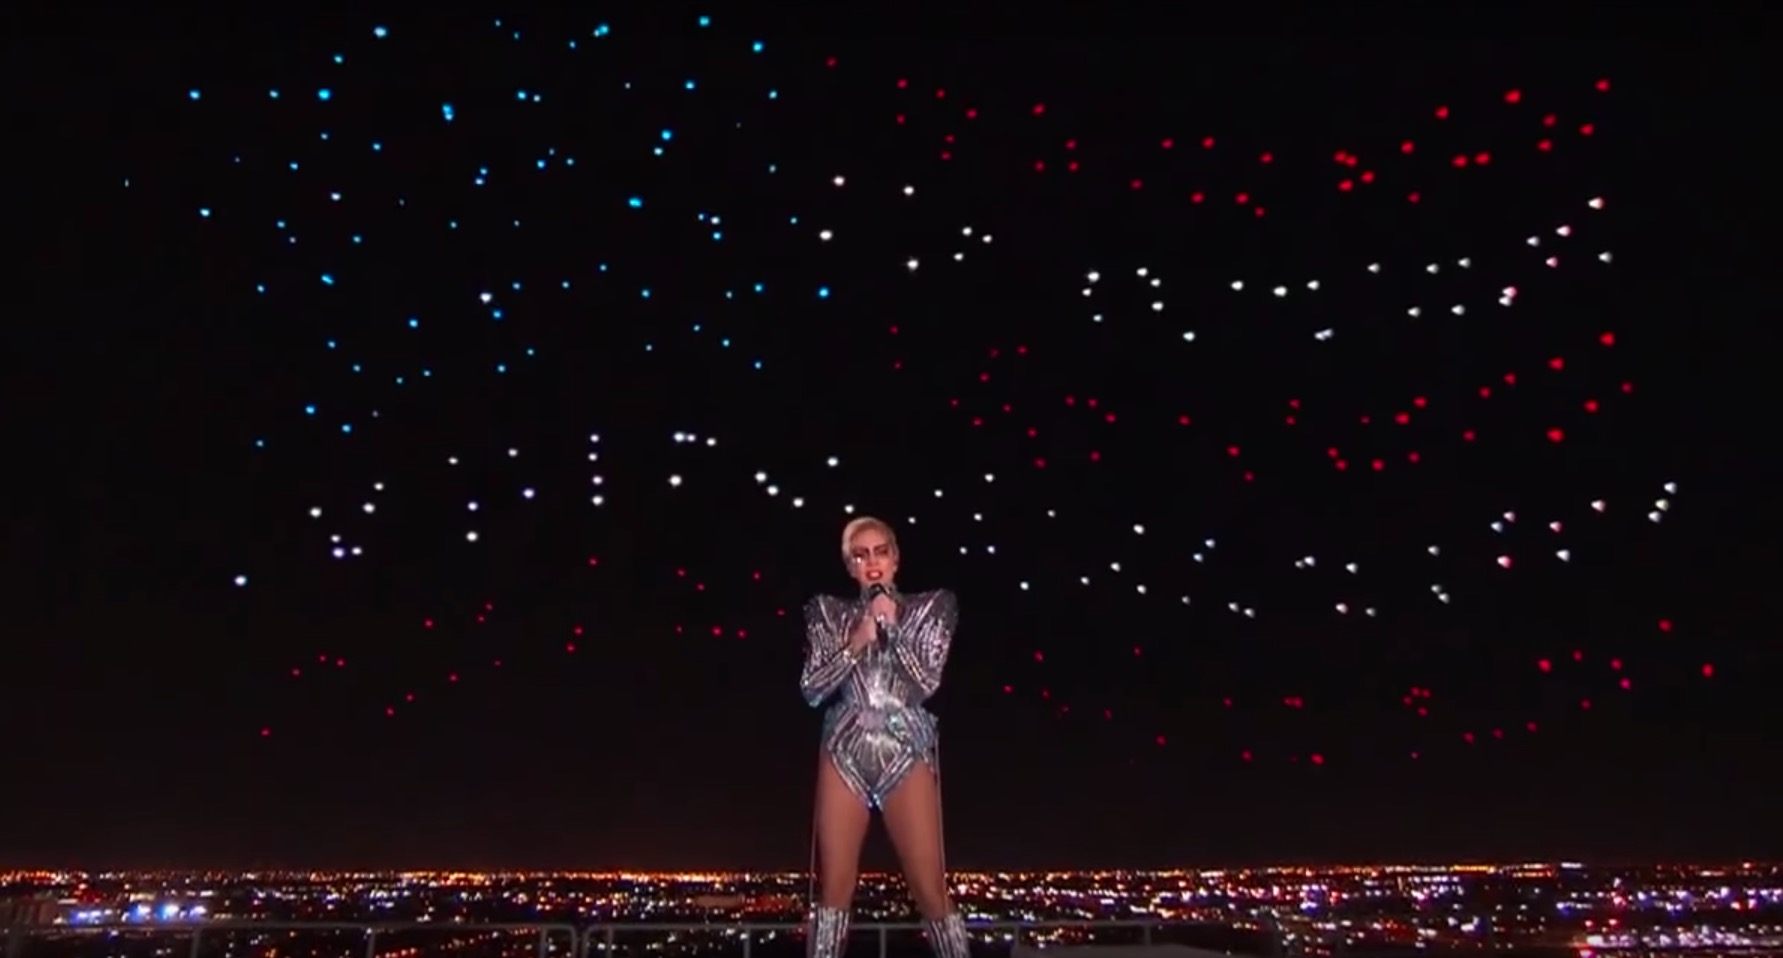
(877, 730)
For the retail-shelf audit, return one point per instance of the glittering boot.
(827, 935)
(947, 936)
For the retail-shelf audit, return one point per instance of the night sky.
(1292, 413)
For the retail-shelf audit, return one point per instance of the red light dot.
(1442, 112)
(1514, 96)
(1708, 671)
(1039, 109)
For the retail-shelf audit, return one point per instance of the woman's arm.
(922, 638)
(827, 657)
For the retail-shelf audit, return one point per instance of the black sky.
(135, 680)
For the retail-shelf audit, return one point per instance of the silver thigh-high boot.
(947, 936)
(827, 936)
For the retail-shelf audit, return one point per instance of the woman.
(879, 657)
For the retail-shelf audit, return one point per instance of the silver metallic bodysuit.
(877, 730)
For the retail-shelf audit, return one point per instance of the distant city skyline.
(1511, 906)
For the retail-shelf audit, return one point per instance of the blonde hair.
(864, 523)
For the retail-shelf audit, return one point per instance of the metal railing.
(600, 939)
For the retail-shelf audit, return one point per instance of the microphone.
(874, 591)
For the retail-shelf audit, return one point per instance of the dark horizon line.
(732, 870)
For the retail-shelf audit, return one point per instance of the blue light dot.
(773, 94)
(324, 94)
(194, 95)
(327, 279)
(668, 135)
(274, 94)
(756, 364)
(338, 59)
(823, 292)
(759, 287)
(260, 288)
(602, 30)
(204, 212)
(380, 32)
(646, 293)
(346, 427)
(309, 410)
(687, 85)
(705, 21)
(414, 323)
(377, 147)
(636, 202)
(757, 47)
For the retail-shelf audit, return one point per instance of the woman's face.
(872, 559)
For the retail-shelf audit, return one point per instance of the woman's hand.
(865, 633)
(884, 609)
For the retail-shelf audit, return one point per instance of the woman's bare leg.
(913, 819)
(842, 820)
